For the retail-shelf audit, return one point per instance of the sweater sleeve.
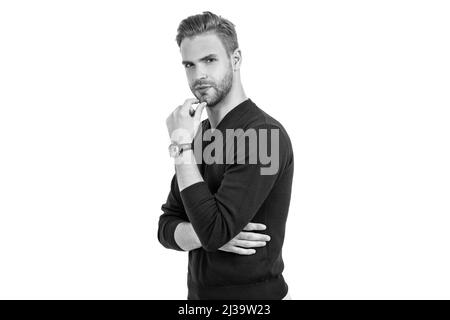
(173, 214)
(218, 218)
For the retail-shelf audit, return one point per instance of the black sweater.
(231, 196)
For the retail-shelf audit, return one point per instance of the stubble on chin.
(209, 99)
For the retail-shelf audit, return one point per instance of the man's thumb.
(199, 110)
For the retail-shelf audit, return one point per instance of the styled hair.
(205, 22)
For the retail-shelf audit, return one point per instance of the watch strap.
(186, 146)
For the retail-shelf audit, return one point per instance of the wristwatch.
(176, 149)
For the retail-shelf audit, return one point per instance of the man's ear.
(236, 59)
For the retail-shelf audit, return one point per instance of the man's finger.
(253, 236)
(244, 252)
(250, 244)
(255, 226)
(237, 250)
(198, 112)
(188, 103)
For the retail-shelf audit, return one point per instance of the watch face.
(174, 150)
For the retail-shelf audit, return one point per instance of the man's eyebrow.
(209, 56)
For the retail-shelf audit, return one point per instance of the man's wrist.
(182, 139)
(176, 149)
(185, 158)
(195, 238)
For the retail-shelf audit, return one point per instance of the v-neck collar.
(232, 115)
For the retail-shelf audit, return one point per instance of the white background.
(362, 88)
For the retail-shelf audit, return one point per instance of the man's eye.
(211, 60)
(187, 65)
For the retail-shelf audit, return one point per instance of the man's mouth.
(203, 88)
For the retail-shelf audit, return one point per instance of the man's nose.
(200, 73)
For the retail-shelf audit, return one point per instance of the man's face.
(208, 67)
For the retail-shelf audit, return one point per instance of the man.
(217, 209)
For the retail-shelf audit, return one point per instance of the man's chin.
(209, 102)
(202, 99)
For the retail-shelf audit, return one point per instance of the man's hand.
(244, 241)
(183, 122)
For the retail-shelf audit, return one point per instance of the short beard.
(220, 91)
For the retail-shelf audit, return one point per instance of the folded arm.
(218, 218)
(242, 244)
(177, 233)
